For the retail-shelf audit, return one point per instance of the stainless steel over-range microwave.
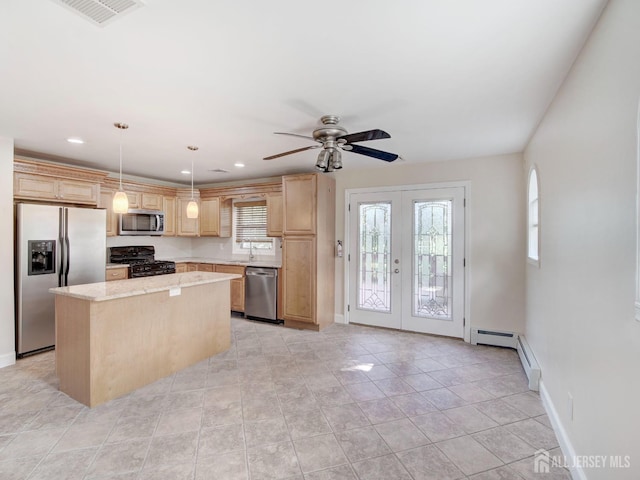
(141, 222)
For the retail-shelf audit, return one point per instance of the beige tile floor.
(351, 402)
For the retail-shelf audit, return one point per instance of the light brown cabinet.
(299, 282)
(192, 267)
(206, 267)
(181, 267)
(274, 214)
(308, 266)
(215, 217)
(40, 187)
(237, 285)
(169, 209)
(300, 200)
(134, 199)
(106, 202)
(151, 201)
(116, 273)
(186, 227)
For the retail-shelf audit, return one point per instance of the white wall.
(212, 247)
(580, 301)
(495, 209)
(7, 316)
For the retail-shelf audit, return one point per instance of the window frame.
(533, 207)
(238, 247)
(637, 299)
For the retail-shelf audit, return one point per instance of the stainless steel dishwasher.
(261, 293)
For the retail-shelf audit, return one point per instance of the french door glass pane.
(374, 262)
(432, 268)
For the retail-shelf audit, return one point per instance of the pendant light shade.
(120, 202)
(192, 209)
(192, 206)
(120, 199)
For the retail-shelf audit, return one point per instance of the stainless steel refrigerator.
(55, 247)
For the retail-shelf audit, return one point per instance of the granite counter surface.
(222, 261)
(102, 291)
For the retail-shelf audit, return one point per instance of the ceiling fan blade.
(291, 151)
(295, 135)
(372, 152)
(364, 136)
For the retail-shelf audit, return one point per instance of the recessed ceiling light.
(75, 140)
(239, 164)
(185, 172)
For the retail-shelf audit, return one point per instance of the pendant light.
(120, 199)
(192, 206)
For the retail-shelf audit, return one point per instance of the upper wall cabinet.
(274, 214)
(151, 201)
(215, 217)
(140, 195)
(216, 205)
(169, 209)
(186, 227)
(55, 183)
(106, 202)
(300, 198)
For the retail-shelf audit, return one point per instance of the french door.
(406, 260)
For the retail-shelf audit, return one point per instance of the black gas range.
(141, 260)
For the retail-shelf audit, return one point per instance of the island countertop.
(102, 291)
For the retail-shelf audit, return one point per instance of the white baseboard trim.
(577, 473)
(7, 359)
(339, 318)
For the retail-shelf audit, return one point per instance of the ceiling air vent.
(100, 12)
(218, 170)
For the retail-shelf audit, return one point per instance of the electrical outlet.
(570, 406)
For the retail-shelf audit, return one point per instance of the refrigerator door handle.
(61, 249)
(66, 246)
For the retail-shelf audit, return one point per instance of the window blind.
(251, 221)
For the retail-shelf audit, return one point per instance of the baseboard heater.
(493, 338)
(531, 367)
(511, 340)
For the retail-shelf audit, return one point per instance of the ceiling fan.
(333, 138)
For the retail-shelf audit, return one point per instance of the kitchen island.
(114, 337)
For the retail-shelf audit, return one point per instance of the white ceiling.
(447, 79)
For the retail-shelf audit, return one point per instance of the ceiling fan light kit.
(333, 138)
(322, 162)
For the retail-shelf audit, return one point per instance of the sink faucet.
(251, 255)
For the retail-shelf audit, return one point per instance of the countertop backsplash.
(165, 246)
(181, 247)
(211, 247)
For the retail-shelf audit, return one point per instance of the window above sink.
(250, 228)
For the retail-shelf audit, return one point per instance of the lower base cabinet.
(117, 273)
(237, 286)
